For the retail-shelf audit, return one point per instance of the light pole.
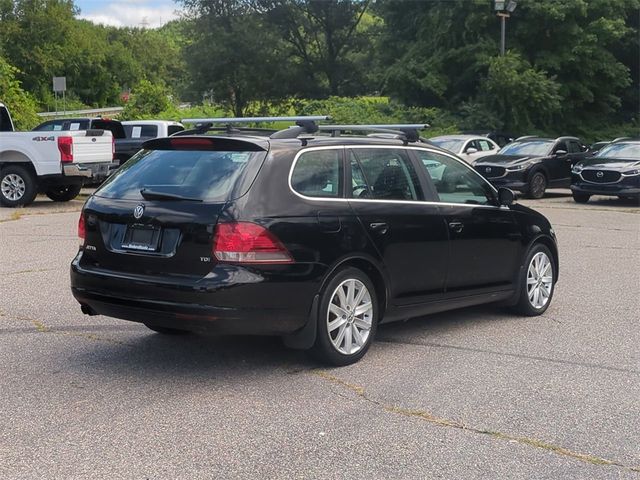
(504, 9)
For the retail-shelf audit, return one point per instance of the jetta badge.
(600, 174)
(138, 211)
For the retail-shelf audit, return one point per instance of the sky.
(128, 13)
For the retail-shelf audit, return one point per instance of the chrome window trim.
(393, 202)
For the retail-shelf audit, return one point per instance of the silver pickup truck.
(54, 163)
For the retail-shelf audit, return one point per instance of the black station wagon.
(306, 233)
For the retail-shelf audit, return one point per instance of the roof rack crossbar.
(408, 132)
(227, 120)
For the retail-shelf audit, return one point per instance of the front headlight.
(516, 168)
(631, 173)
(577, 168)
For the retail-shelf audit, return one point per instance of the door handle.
(379, 227)
(456, 226)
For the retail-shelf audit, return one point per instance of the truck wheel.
(537, 185)
(63, 193)
(17, 186)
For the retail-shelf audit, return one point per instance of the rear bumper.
(230, 300)
(88, 171)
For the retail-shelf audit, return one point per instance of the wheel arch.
(15, 157)
(538, 167)
(372, 269)
(553, 248)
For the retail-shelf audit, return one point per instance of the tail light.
(81, 229)
(244, 242)
(65, 145)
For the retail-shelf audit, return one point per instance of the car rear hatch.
(156, 216)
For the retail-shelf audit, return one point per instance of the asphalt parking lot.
(475, 393)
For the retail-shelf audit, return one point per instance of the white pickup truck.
(54, 163)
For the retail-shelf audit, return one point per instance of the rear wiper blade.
(155, 195)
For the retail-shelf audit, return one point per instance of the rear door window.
(202, 175)
(318, 173)
(383, 174)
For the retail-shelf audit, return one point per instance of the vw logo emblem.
(600, 174)
(488, 170)
(138, 211)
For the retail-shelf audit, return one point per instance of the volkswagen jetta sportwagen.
(315, 238)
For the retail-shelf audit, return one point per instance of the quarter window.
(318, 173)
(384, 174)
(454, 182)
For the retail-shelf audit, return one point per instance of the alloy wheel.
(13, 187)
(538, 185)
(539, 280)
(350, 317)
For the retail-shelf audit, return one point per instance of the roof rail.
(525, 137)
(408, 131)
(226, 120)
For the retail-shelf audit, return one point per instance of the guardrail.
(91, 111)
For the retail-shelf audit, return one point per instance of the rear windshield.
(212, 176)
(141, 131)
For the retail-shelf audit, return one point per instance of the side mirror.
(471, 150)
(506, 196)
(560, 153)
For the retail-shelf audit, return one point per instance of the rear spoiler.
(214, 143)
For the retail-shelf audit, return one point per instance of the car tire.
(535, 276)
(537, 185)
(63, 193)
(344, 337)
(581, 197)
(166, 330)
(18, 187)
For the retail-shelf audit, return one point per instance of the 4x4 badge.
(138, 211)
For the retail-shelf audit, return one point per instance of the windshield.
(451, 144)
(621, 150)
(190, 174)
(532, 147)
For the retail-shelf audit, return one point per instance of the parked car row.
(532, 164)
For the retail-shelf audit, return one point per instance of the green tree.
(325, 42)
(21, 105)
(234, 57)
(521, 96)
(148, 99)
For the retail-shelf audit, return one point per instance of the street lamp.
(504, 9)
